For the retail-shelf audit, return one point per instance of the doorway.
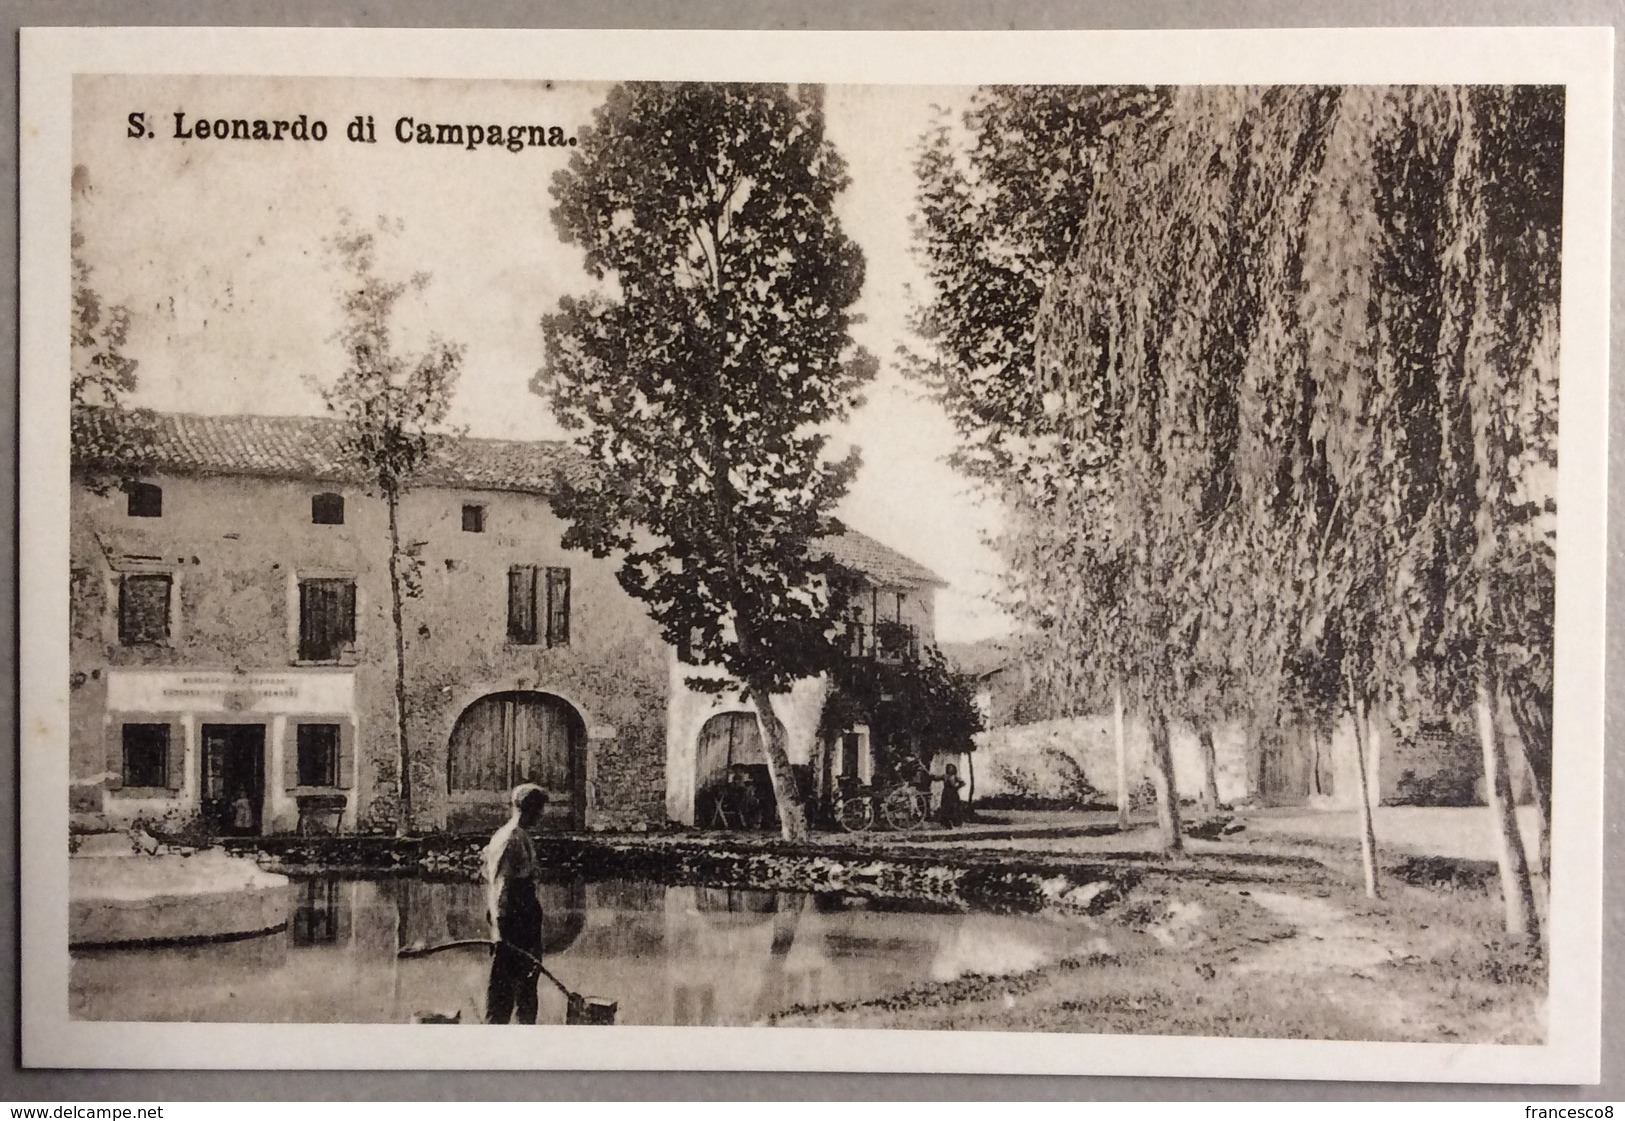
(234, 778)
(508, 738)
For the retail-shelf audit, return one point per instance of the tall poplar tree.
(703, 371)
(390, 404)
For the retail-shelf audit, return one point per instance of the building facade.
(233, 647)
(892, 617)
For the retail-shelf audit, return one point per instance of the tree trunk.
(818, 772)
(1516, 890)
(1362, 753)
(403, 823)
(970, 780)
(1532, 712)
(1162, 775)
(1210, 770)
(1121, 744)
(792, 817)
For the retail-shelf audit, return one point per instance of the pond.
(668, 954)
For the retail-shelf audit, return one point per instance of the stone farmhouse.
(232, 649)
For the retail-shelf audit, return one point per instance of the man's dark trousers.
(512, 988)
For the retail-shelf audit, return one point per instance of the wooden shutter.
(522, 604)
(558, 607)
(175, 758)
(290, 756)
(326, 618)
(312, 622)
(346, 618)
(346, 755)
(115, 755)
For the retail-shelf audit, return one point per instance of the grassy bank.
(1313, 959)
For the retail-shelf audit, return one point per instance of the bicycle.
(853, 810)
(902, 808)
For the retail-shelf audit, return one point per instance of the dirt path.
(1306, 961)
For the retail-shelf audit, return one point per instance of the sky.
(217, 248)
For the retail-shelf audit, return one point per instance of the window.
(143, 609)
(145, 500)
(326, 618)
(530, 606)
(522, 604)
(146, 754)
(318, 746)
(558, 607)
(473, 519)
(327, 509)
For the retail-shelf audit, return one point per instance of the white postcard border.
(1580, 58)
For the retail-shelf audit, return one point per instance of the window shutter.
(115, 755)
(346, 755)
(310, 638)
(290, 756)
(175, 758)
(558, 607)
(326, 618)
(346, 609)
(522, 604)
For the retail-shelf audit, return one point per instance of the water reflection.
(668, 955)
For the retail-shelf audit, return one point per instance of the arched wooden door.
(505, 739)
(728, 740)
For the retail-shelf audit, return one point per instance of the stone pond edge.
(975, 879)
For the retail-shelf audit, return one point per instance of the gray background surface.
(85, 1086)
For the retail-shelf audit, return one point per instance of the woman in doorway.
(242, 813)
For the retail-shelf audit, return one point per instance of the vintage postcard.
(1070, 552)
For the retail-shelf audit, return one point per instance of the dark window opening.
(143, 609)
(473, 519)
(522, 604)
(144, 500)
(327, 509)
(318, 746)
(326, 619)
(558, 607)
(146, 754)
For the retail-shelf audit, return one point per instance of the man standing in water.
(512, 879)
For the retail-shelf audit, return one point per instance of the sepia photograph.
(1006, 560)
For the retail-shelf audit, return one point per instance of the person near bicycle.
(950, 809)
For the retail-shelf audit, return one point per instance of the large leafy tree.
(1293, 410)
(390, 404)
(702, 372)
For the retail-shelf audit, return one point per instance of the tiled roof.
(306, 447)
(882, 564)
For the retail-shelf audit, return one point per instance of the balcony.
(888, 642)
